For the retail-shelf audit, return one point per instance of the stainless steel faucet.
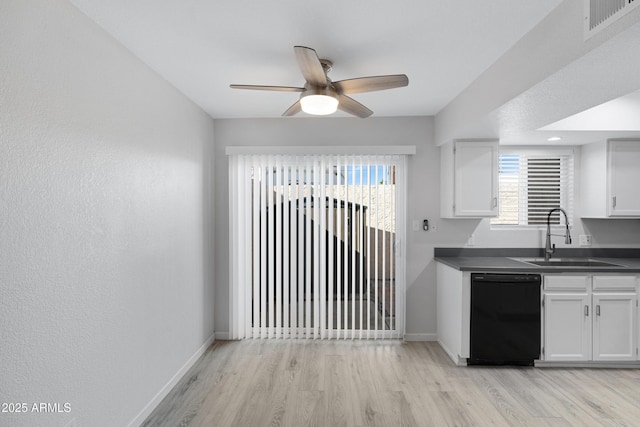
(549, 249)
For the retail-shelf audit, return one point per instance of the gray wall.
(104, 289)
(423, 203)
(423, 173)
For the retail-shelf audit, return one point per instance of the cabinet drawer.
(566, 283)
(615, 283)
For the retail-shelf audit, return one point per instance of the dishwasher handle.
(505, 278)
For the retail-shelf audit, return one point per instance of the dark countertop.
(506, 260)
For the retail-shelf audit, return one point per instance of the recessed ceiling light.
(554, 138)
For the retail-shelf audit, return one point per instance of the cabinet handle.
(495, 202)
(598, 310)
(586, 310)
(613, 201)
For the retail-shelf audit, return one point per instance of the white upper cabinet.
(624, 173)
(609, 179)
(469, 179)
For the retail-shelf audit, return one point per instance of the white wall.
(423, 203)
(104, 288)
(606, 233)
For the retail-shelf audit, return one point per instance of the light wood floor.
(387, 383)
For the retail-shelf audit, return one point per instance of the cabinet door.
(476, 179)
(567, 327)
(624, 175)
(614, 326)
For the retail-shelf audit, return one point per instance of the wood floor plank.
(480, 407)
(313, 365)
(501, 398)
(337, 398)
(565, 404)
(604, 400)
(365, 398)
(305, 409)
(397, 410)
(586, 393)
(552, 422)
(423, 407)
(521, 388)
(381, 357)
(227, 399)
(386, 383)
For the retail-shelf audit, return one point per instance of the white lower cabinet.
(567, 332)
(590, 318)
(614, 326)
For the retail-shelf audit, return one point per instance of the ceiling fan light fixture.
(321, 96)
(319, 105)
(319, 102)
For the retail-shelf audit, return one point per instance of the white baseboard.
(587, 364)
(420, 337)
(148, 409)
(451, 354)
(459, 361)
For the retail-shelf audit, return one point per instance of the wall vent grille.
(599, 14)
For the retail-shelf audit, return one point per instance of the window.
(531, 183)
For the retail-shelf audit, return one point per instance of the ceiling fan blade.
(274, 88)
(351, 106)
(370, 84)
(294, 109)
(310, 66)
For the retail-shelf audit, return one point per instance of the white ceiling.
(619, 115)
(202, 46)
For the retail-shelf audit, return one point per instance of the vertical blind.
(531, 184)
(315, 246)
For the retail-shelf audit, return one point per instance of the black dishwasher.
(505, 319)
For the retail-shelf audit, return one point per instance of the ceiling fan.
(321, 96)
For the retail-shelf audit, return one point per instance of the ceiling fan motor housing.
(315, 90)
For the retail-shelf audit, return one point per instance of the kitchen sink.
(559, 262)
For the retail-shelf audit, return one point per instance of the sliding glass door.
(316, 246)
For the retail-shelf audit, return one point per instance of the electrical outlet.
(585, 240)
